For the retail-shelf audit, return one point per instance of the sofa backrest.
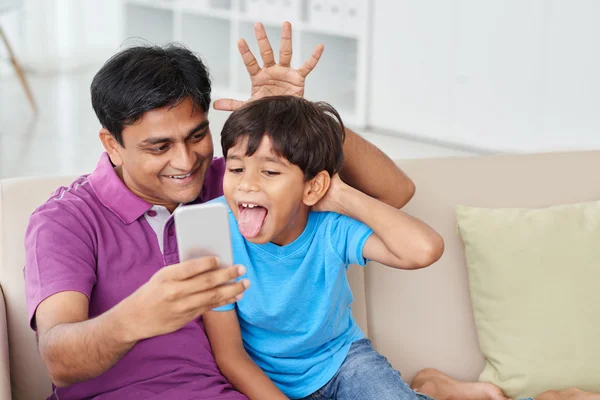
(18, 199)
(424, 318)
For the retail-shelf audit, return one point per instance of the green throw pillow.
(534, 276)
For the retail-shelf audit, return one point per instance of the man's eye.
(160, 149)
(236, 170)
(199, 136)
(272, 173)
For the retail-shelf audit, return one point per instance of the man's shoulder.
(76, 198)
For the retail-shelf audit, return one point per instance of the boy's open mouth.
(252, 218)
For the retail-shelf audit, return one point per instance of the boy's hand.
(272, 79)
(332, 201)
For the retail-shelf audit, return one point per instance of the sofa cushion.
(534, 276)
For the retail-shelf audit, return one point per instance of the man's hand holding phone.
(178, 294)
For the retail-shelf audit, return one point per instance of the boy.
(293, 334)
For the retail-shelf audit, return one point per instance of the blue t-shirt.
(295, 317)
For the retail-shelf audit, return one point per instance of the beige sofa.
(417, 319)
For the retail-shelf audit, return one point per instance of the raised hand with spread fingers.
(272, 79)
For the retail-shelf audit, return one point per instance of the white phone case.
(203, 230)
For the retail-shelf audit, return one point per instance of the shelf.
(211, 28)
(201, 8)
(153, 24)
(158, 4)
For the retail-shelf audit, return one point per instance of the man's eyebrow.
(156, 140)
(160, 139)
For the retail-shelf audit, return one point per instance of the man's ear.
(316, 188)
(112, 147)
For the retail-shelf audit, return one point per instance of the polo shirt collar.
(114, 195)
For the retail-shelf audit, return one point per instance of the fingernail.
(217, 260)
(246, 283)
(239, 296)
(241, 270)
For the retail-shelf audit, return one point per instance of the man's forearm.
(369, 170)
(74, 352)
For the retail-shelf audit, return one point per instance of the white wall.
(499, 75)
(9, 17)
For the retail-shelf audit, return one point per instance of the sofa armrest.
(4, 360)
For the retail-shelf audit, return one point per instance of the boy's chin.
(259, 239)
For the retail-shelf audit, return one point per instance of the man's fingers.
(221, 295)
(248, 58)
(213, 279)
(189, 269)
(311, 63)
(227, 104)
(264, 46)
(225, 302)
(285, 49)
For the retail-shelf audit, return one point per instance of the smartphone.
(203, 230)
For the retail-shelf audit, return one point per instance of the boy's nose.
(248, 183)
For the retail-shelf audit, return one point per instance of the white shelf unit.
(212, 28)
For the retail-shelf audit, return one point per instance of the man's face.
(165, 155)
(265, 193)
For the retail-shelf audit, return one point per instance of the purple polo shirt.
(94, 237)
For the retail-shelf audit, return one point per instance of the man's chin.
(187, 196)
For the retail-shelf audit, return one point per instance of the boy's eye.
(272, 173)
(236, 170)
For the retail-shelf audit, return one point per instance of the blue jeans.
(366, 375)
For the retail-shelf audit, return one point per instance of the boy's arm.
(223, 330)
(399, 240)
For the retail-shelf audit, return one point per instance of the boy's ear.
(112, 147)
(316, 188)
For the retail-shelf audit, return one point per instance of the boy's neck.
(294, 228)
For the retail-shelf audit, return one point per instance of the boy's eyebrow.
(274, 160)
(161, 139)
(264, 158)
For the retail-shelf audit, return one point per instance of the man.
(117, 316)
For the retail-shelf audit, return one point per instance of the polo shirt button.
(151, 213)
(171, 231)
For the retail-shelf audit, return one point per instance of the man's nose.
(184, 159)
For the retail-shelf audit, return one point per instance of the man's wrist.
(121, 320)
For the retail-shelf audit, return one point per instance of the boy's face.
(266, 194)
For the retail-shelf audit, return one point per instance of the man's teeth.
(179, 176)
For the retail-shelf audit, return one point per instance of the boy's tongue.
(251, 220)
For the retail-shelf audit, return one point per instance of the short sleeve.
(348, 237)
(226, 307)
(59, 255)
